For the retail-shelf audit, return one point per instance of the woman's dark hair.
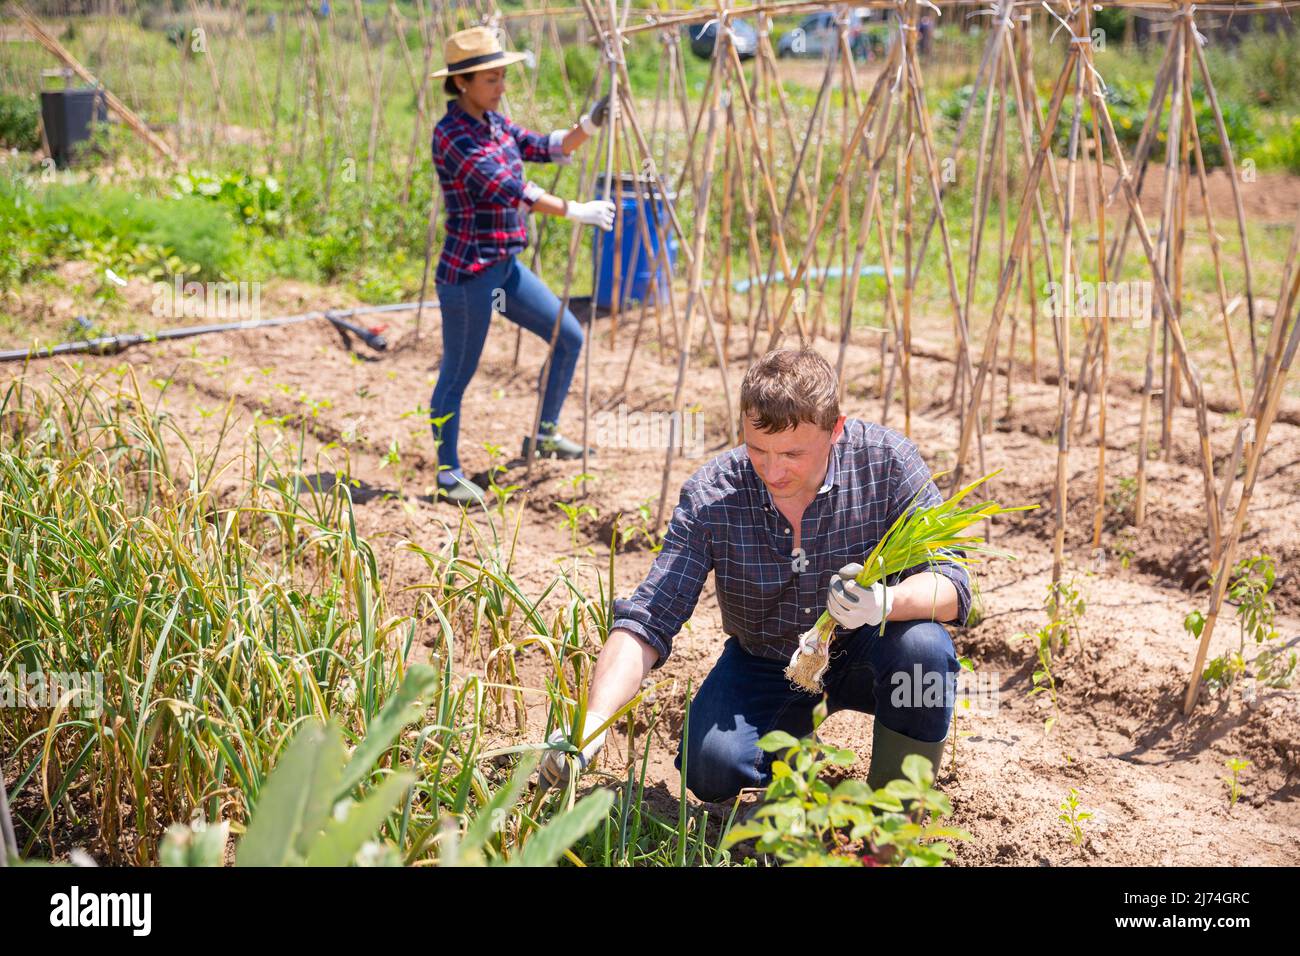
(449, 86)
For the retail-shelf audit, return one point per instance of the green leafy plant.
(253, 200)
(1042, 678)
(544, 847)
(305, 812)
(803, 820)
(1236, 765)
(1122, 499)
(640, 528)
(1072, 815)
(917, 536)
(502, 493)
(19, 116)
(1064, 605)
(1222, 671)
(575, 512)
(1250, 590)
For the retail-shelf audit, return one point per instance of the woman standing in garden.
(479, 156)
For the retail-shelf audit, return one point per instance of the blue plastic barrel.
(639, 198)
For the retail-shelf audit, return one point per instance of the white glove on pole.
(853, 606)
(554, 769)
(598, 212)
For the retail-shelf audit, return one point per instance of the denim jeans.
(467, 313)
(745, 697)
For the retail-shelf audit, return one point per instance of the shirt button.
(807, 610)
(787, 530)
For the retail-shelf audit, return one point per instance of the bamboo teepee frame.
(887, 193)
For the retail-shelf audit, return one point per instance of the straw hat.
(475, 49)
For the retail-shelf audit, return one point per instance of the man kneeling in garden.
(782, 520)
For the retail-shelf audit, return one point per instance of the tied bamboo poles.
(1097, 342)
(1277, 366)
(613, 44)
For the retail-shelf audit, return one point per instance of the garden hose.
(112, 344)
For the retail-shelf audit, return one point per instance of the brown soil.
(1152, 778)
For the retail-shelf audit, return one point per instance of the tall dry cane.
(917, 536)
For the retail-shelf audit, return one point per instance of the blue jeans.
(467, 313)
(745, 697)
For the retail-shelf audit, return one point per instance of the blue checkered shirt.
(727, 522)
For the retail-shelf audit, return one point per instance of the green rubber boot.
(889, 747)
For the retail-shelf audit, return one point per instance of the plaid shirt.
(480, 168)
(727, 522)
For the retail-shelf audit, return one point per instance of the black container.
(67, 115)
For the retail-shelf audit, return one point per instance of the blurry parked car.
(703, 37)
(817, 35)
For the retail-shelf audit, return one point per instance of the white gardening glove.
(554, 769)
(598, 212)
(854, 606)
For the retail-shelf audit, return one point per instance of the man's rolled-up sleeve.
(911, 486)
(665, 600)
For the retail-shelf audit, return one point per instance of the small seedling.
(1042, 677)
(1071, 814)
(968, 665)
(641, 528)
(1122, 500)
(502, 493)
(1236, 765)
(573, 515)
(1064, 605)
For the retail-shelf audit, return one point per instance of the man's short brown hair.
(789, 386)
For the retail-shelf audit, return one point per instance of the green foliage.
(1249, 589)
(1236, 765)
(1122, 499)
(211, 651)
(1268, 65)
(955, 103)
(19, 122)
(573, 515)
(803, 820)
(130, 233)
(640, 528)
(1281, 147)
(1112, 20)
(1064, 605)
(1072, 815)
(307, 814)
(1223, 670)
(252, 200)
(502, 493)
(1127, 105)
